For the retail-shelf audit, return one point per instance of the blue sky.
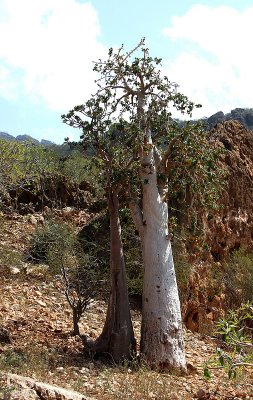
(47, 48)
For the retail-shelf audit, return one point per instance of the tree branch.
(141, 43)
(167, 153)
(157, 157)
(137, 216)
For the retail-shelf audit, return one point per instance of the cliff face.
(227, 230)
(232, 228)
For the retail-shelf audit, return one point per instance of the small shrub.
(57, 244)
(236, 336)
(183, 267)
(50, 242)
(12, 359)
(95, 240)
(238, 278)
(10, 257)
(30, 360)
(81, 283)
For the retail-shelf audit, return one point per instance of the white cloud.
(8, 83)
(217, 69)
(53, 43)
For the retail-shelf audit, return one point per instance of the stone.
(201, 394)
(4, 336)
(14, 270)
(43, 390)
(32, 220)
(22, 394)
(242, 115)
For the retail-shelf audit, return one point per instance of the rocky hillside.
(219, 282)
(232, 227)
(36, 323)
(227, 230)
(36, 341)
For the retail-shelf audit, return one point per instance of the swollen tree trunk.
(117, 338)
(162, 344)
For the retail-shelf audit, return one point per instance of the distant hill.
(63, 150)
(243, 115)
(6, 136)
(25, 138)
(46, 143)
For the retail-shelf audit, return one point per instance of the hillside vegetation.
(67, 228)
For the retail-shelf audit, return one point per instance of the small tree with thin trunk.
(161, 159)
(109, 149)
(80, 284)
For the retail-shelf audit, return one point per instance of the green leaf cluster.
(236, 354)
(133, 97)
(24, 162)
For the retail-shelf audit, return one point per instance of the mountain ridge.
(243, 115)
(25, 138)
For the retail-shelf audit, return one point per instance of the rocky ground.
(37, 342)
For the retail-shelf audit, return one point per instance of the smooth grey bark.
(162, 344)
(117, 338)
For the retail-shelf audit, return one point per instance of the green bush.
(238, 278)
(51, 242)
(79, 167)
(57, 244)
(95, 238)
(24, 162)
(236, 350)
(10, 359)
(183, 269)
(10, 257)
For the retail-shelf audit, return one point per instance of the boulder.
(25, 386)
(21, 394)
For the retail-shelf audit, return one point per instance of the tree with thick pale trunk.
(159, 159)
(162, 344)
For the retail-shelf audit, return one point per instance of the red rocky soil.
(34, 312)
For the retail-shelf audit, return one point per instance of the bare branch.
(167, 153)
(127, 87)
(157, 157)
(141, 43)
(137, 216)
(239, 364)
